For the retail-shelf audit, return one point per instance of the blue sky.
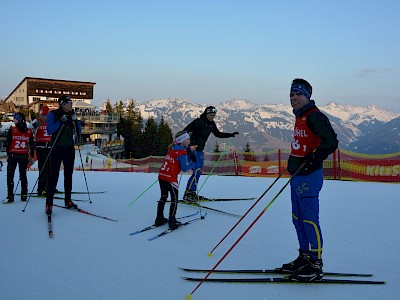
(207, 51)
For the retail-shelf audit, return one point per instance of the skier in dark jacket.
(200, 129)
(62, 124)
(314, 140)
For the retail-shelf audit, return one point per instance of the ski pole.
(188, 297)
(197, 195)
(215, 165)
(255, 203)
(143, 192)
(80, 155)
(84, 174)
(15, 190)
(44, 165)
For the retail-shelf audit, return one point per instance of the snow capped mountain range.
(364, 129)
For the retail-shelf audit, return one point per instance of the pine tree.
(247, 148)
(151, 140)
(248, 154)
(131, 111)
(137, 136)
(130, 127)
(119, 108)
(165, 135)
(109, 108)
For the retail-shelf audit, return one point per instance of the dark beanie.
(210, 110)
(19, 116)
(63, 100)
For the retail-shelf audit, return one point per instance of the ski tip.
(210, 254)
(188, 296)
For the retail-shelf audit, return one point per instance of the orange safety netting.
(341, 165)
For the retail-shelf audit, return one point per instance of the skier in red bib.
(179, 157)
(314, 140)
(43, 146)
(20, 151)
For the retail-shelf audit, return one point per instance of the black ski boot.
(70, 204)
(173, 223)
(9, 200)
(160, 221)
(311, 272)
(48, 209)
(300, 262)
(190, 196)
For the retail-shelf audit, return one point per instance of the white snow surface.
(93, 258)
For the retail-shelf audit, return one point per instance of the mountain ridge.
(269, 126)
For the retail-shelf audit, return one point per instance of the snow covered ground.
(93, 258)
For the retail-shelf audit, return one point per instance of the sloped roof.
(81, 104)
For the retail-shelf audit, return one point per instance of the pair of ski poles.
(208, 175)
(188, 296)
(46, 161)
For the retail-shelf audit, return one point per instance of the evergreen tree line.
(147, 138)
(142, 138)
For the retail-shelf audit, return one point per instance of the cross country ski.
(85, 212)
(284, 280)
(221, 199)
(50, 226)
(210, 208)
(154, 226)
(165, 232)
(270, 271)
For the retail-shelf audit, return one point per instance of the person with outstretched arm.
(200, 129)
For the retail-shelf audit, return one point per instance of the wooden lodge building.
(33, 93)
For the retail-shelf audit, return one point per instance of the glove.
(63, 119)
(73, 117)
(234, 133)
(312, 162)
(191, 154)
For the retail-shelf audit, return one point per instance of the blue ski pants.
(305, 212)
(197, 171)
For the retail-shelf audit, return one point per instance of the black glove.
(234, 133)
(312, 162)
(191, 155)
